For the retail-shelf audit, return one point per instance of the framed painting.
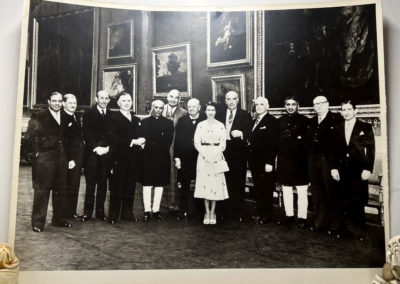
(223, 84)
(229, 39)
(120, 40)
(118, 79)
(172, 70)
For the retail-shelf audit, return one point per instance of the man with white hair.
(158, 133)
(320, 136)
(173, 112)
(237, 124)
(262, 151)
(185, 154)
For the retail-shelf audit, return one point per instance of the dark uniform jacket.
(263, 144)
(184, 144)
(292, 166)
(158, 133)
(73, 136)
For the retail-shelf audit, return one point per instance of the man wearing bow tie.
(262, 150)
(320, 136)
(74, 147)
(185, 154)
(352, 164)
(173, 112)
(237, 124)
(127, 160)
(97, 129)
(49, 170)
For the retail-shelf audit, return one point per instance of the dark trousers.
(96, 174)
(353, 194)
(122, 190)
(186, 197)
(50, 172)
(235, 181)
(264, 185)
(73, 181)
(325, 199)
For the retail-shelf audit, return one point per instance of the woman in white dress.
(210, 141)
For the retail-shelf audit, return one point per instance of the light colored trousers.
(302, 200)
(158, 191)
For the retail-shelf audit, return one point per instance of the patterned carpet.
(169, 244)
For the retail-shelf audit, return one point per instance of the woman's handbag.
(221, 166)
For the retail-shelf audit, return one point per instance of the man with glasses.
(97, 136)
(320, 135)
(292, 170)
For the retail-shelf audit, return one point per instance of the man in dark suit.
(292, 162)
(74, 148)
(237, 124)
(352, 164)
(49, 171)
(126, 160)
(97, 134)
(320, 136)
(158, 133)
(185, 155)
(262, 151)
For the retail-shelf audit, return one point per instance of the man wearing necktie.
(237, 124)
(173, 112)
(262, 149)
(45, 135)
(127, 160)
(185, 156)
(352, 164)
(97, 131)
(74, 148)
(320, 138)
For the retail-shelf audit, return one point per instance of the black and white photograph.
(118, 80)
(120, 40)
(229, 37)
(237, 140)
(172, 69)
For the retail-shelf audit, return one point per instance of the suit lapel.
(356, 131)
(52, 120)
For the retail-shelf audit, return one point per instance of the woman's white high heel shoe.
(213, 219)
(206, 220)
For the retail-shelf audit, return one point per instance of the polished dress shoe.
(37, 230)
(85, 218)
(112, 221)
(146, 217)
(334, 233)
(157, 215)
(182, 216)
(263, 220)
(314, 229)
(101, 217)
(286, 221)
(131, 219)
(301, 223)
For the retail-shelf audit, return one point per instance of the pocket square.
(299, 137)
(263, 127)
(362, 133)
(70, 124)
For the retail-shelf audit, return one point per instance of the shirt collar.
(101, 109)
(68, 112)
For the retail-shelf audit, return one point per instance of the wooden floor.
(188, 244)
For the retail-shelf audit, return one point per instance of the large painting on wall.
(223, 84)
(172, 70)
(120, 79)
(120, 40)
(229, 39)
(63, 56)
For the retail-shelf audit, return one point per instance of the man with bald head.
(97, 129)
(185, 154)
(262, 150)
(237, 124)
(158, 133)
(173, 112)
(320, 136)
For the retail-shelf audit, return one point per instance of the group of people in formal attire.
(333, 154)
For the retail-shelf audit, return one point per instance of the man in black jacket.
(320, 135)
(126, 160)
(97, 134)
(185, 155)
(237, 124)
(352, 164)
(262, 150)
(49, 171)
(74, 149)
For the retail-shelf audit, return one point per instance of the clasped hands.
(237, 133)
(139, 142)
(101, 150)
(364, 175)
